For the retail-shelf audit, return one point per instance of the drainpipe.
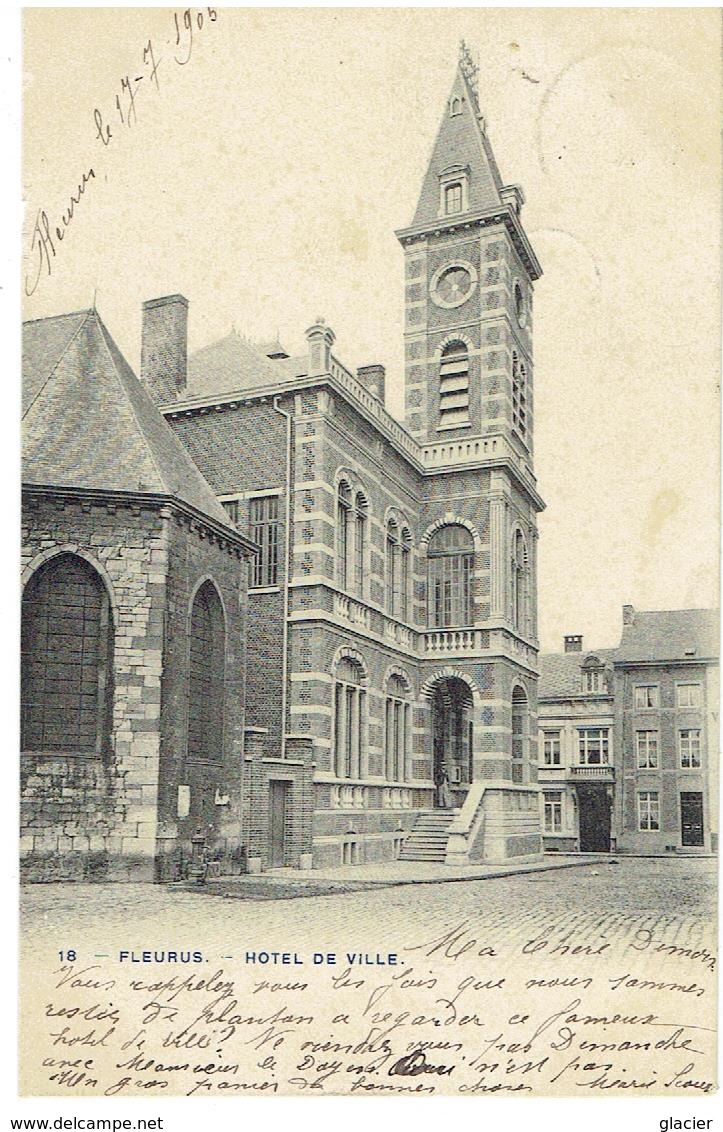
(287, 546)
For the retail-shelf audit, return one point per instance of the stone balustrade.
(437, 642)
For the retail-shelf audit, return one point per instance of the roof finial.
(470, 70)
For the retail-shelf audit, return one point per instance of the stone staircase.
(428, 839)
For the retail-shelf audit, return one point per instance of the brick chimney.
(573, 643)
(628, 615)
(373, 378)
(164, 347)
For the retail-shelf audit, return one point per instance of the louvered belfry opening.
(206, 676)
(66, 659)
(454, 385)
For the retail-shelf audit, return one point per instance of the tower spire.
(470, 71)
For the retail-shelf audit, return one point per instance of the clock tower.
(470, 271)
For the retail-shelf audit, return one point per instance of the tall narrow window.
(264, 530)
(453, 198)
(349, 712)
(519, 395)
(553, 811)
(405, 554)
(454, 386)
(451, 561)
(392, 567)
(206, 676)
(396, 736)
(360, 520)
(519, 580)
(67, 658)
(520, 733)
(343, 523)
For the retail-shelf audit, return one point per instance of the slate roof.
(560, 672)
(232, 364)
(88, 422)
(670, 634)
(461, 141)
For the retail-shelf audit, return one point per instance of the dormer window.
(453, 199)
(593, 676)
(453, 190)
(455, 107)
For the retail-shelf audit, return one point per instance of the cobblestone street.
(673, 898)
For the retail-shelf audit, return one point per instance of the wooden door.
(278, 798)
(691, 818)
(594, 809)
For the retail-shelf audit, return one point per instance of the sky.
(263, 169)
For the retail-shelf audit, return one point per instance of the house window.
(593, 746)
(396, 732)
(551, 748)
(206, 676)
(646, 696)
(648, 810)
(689, 747)
(67, 658)
(264, 530)
(454, 385)
(519, 581)
(231, 507)
(360, 527)
(343, 532)
(688, 695)
(519, 394)
(451, 561)
(646, 743)
(349, 709)
(553, 811)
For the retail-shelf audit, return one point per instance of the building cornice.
(156, 500)
(345, 386)
(481, 219)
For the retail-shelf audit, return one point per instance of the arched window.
(349, 710)
(454, 385)
(67, 659)
(396, 730)
(405, 554)
(206, 676)
(451, 562)
(519, 574)
(455, 107)
(520, 733)
(519, 395)
(343, 524)
(360, 520)
(392, 565)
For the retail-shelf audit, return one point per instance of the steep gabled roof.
(461, 140)
(670, 634)
(89, 423)
(560, 673)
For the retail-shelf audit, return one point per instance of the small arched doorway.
(452, 737)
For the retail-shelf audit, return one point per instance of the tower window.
(519, 395)
(451, 562)
(454, 386)
(453, 199)
(360, 525)
(343, 524)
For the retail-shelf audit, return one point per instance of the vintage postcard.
(369, 659)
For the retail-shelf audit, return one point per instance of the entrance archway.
(452, 737)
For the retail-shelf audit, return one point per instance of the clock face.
(453, 285)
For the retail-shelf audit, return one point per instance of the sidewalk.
(290, 884)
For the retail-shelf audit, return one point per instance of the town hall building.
(390, 625)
